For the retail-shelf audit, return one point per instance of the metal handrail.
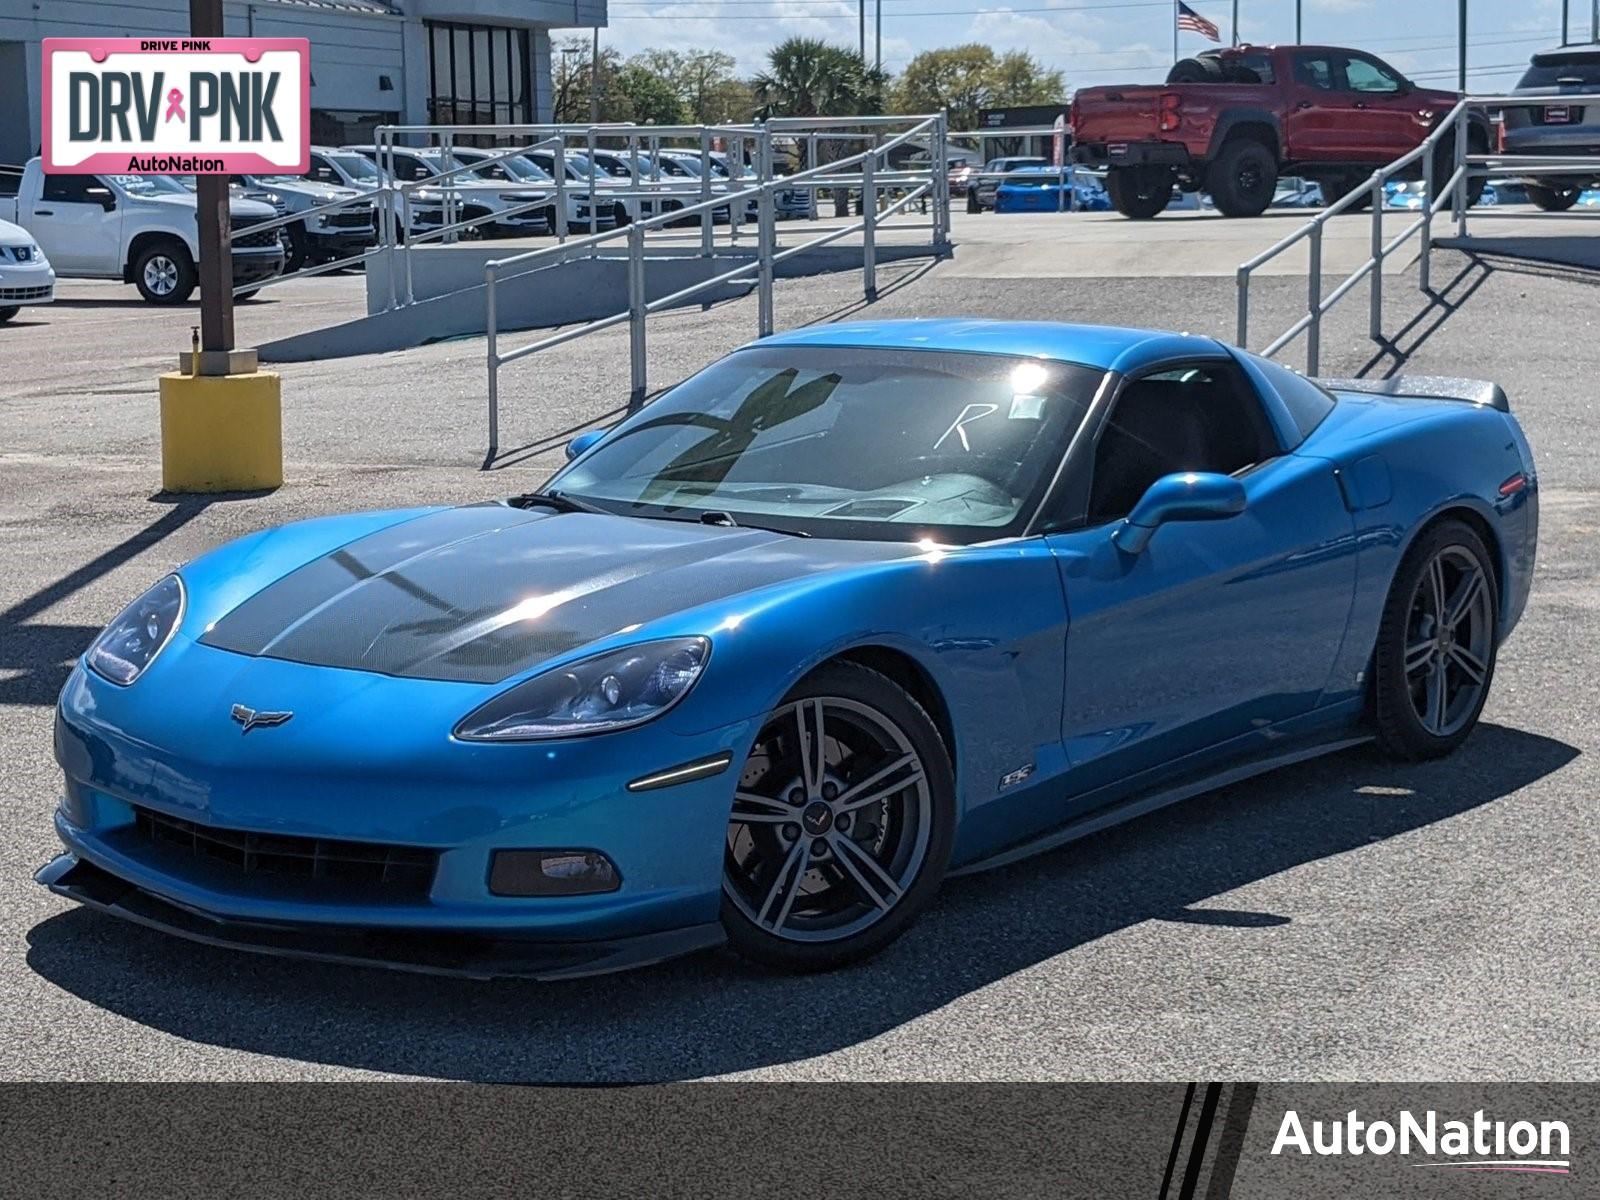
(1450, 192)
(932, 182)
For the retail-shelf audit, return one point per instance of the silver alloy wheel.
(831, 821)
(1449, 641)
(160, 275)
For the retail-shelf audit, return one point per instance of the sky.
(1106, 41)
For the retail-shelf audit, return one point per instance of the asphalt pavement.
(1345, 919)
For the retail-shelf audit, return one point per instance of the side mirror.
(101, 196)
(1189, 496)
(583, 441)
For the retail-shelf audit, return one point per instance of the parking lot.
(1339, 920)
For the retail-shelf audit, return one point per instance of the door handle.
(44, 212)
(1361, 103)
(1304, 104)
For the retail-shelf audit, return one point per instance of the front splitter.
(465, 953)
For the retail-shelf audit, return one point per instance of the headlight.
(140, 632)
(610, 691)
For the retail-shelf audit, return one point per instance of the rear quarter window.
(1307, 402)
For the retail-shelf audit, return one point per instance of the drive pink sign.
(177, 106)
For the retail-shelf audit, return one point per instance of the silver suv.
(1569, 125)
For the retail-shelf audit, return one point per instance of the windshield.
(846, 442)
(149, 185)
(357, 168)
(517, 168)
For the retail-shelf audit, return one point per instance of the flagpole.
(1175, 30)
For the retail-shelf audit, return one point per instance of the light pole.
(1461, 46)
(1299, 38)
(880, 36)
(1235, 22)
(594, 79)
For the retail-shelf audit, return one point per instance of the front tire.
(841, 826)
(1436, 644)
(8, 312)
(1558, 198)
(1242, 178)
(164, 273)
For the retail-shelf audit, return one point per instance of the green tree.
(965, 79)
(651, 100)
(806, 77)
(705, 84)
(570, 70)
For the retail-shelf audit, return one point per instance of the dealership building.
(373, 62)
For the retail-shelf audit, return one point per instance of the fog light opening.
(552, 873)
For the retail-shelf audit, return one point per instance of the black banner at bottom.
(1200, 1141)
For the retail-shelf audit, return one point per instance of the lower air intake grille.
(397, 870)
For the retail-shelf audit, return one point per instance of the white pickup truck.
(141, 229)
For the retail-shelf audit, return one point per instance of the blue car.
(1046, 189)
(856, 607)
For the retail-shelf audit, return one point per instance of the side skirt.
(1142, 803)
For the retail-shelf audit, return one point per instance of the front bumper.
(256, 265)
(366, 761)
(27, 283)
(431, 952)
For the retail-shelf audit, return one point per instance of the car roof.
(1560, 54)
(1107, 347)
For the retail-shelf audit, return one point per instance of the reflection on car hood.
(484, 592)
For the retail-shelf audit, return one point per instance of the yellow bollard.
(221, 433)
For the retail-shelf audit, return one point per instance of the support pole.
(636, 316)
(594, 79)
(1461, 46)
(216, 258)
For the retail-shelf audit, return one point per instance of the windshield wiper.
(559, 501)
(725, 520)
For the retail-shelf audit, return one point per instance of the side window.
(68, 189)
(1196, 418)
(322, 171)
(1365, 75)
(408, 167)
(1314, 71)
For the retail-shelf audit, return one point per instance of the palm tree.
(806, 77)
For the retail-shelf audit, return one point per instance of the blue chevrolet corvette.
(851, 609)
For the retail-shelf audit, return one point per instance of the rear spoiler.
(1427, 387)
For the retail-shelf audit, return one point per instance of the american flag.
(1195, 23)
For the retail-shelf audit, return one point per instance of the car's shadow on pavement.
(710, 1014)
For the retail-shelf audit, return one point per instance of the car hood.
(485, 592)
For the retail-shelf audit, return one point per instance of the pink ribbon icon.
(175, 105)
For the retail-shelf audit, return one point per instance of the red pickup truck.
(1230, 122)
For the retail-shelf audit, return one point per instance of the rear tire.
(297, 248)
(1557, 198)
(823, 867)
(1242, 178)
(1139, 193)
(1435, 656)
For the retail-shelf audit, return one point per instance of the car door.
(75, 220)
(1317, 113)
(1386, 121)
(1218, 627)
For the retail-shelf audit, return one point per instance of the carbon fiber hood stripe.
(484, 592)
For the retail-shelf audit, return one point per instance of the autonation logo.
(1476, 1145)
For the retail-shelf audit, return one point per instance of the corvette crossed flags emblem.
(250, 719)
